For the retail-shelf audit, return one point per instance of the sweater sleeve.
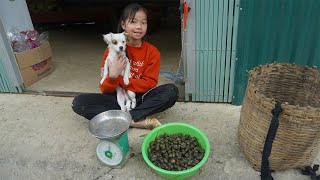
(109, 85)
(149, 78)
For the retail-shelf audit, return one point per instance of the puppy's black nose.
(121, 47)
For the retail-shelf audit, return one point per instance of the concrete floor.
(41, 138)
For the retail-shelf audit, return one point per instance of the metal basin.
(109, 124)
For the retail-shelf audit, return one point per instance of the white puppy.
(117, 48)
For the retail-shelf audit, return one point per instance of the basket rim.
(284, 104)
(272, 100)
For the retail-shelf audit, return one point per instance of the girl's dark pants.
(154, 101)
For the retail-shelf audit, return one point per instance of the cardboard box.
(35, 64)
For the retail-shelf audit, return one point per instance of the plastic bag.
(15, 36)
(21, 46)
(43, 37)
(25, 40)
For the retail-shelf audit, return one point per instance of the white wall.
(15, 13)
(8, 60)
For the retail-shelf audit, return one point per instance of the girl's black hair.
(129, 12)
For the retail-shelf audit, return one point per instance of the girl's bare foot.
(138, 124)
(148, 123)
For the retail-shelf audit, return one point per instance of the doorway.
(75, 34)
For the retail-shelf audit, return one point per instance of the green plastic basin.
(174, 128)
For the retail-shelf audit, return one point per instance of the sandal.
(151, 123)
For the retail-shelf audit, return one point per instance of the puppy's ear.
(126, 35)
(107, 38)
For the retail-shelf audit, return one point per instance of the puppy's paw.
(128, 105)
(123, 108)
(126, 81)
(133, 104)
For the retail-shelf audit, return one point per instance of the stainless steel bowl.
(109, 124)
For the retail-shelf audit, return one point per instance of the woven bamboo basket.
(297, 140)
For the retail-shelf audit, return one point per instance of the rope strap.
(265, 170)
(312, 172)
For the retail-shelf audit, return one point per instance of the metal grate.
(216, 31)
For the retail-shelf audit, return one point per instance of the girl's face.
(137, 27)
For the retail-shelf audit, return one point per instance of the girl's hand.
(116, 67)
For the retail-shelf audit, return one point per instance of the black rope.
(312, 172)
(265, 170)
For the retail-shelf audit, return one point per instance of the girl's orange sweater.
(145, 69)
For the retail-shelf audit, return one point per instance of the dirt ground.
(41, 138)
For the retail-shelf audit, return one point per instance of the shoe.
(151, 123)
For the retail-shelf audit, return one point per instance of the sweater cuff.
(120, 80)
(111, 81)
